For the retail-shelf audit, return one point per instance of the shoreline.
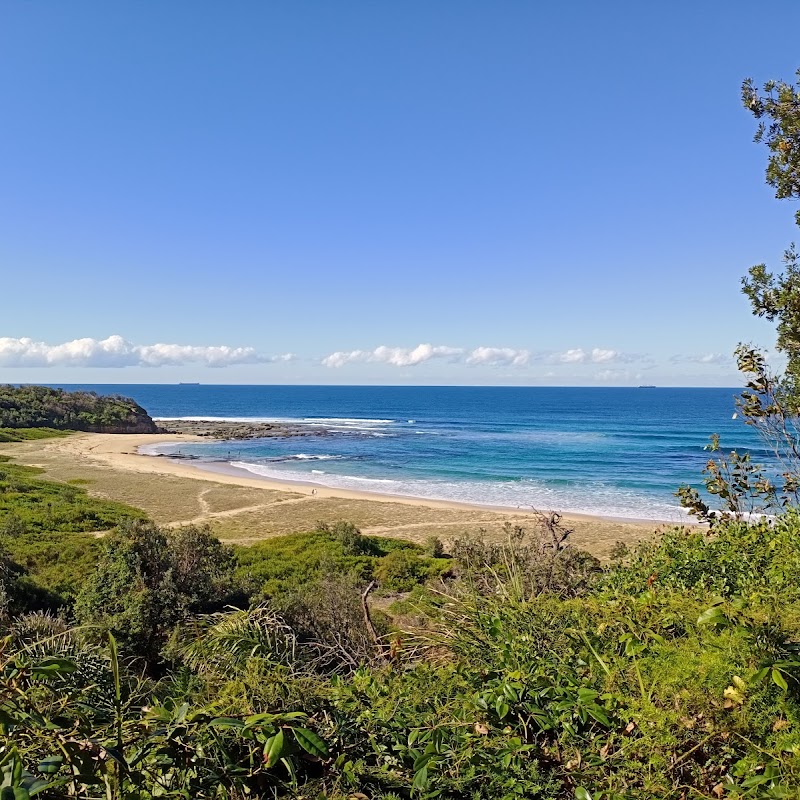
(225, 472)
(243, 508)
(322, 490)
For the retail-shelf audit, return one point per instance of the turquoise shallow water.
(610, 451)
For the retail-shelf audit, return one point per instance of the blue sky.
(360, 192)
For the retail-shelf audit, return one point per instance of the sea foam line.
(608, 501)
(284, 420)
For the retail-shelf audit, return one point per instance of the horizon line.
(58, 384)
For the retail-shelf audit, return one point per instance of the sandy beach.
(242, 508)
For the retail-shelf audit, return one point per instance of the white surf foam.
(591, 499)
(310, 457)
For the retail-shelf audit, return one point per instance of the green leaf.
(259, 719)
(17, 793)
(587, 695)
(273, 748)
(180, 714)
(293, 715)
(56, 665)
(422, 761)
(38, 785)
(756, 780)
(421, 779)
(712, 616)
(501, 707)
(114, 653)
(779, 680)
(760, 675)
(582, 794)
(598, 713)
(310, 742)
(50, 765)
(226, 722)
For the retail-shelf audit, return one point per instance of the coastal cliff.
(44, 407)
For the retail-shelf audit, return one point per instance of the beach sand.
(244, 509)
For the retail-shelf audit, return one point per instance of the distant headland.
(43, 407)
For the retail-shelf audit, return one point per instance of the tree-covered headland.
(34, 407)
(141, 662)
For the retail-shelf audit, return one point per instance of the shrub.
(401, 571)
(149, 579)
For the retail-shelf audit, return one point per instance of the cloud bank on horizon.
(396, 356)
(118, 352)
(480, 356)
(115, 351)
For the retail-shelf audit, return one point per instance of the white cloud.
(118, 352)
(707, 358)
(597, 355)
(479, 356)
(600, 356)
(575, 356)
(498, 356)
(342, 357)
(395, 356)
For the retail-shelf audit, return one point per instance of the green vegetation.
(674, 670)
(776, 296)
(46, 536)
(29, 505)
(43, 407)
(29, 434)
(286, 564)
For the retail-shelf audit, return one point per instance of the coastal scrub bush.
(284, 564)
(148, 580)
(402, 570)
(353, 542)
(770, 403)
(434, 547)
(437, 742)
(62, 738)
(739, 559)
(46, 531)
(332, 613)
(528, 562)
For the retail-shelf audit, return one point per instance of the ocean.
(616, 452)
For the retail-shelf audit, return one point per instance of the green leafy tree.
(770, 402)
(777, 109)
(776, 295)
(149, 580)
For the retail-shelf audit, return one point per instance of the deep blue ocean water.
(618, 452)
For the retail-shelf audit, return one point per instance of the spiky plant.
(224, 642)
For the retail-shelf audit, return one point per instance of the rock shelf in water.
(216, 429)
